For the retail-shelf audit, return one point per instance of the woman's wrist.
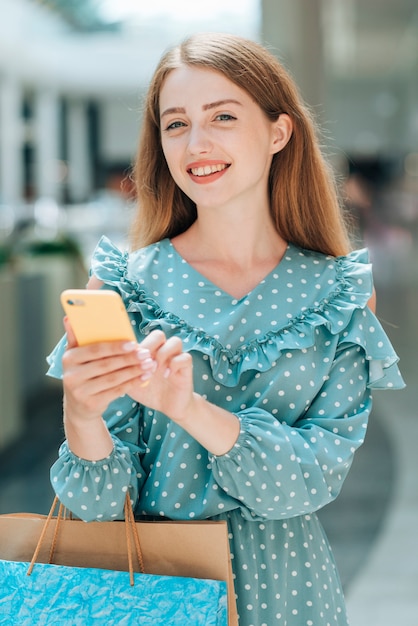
(214, 428)
(88, 439)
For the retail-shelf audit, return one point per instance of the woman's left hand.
(168, 386)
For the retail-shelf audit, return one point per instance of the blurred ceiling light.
(182, 10)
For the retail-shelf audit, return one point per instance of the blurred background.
(72, 77)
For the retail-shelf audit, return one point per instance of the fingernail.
(130, 346)
(143, 354)
(148, 364)
(167, 372)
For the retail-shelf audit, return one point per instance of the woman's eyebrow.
(213, 105)
(172, 110)
(205, 107)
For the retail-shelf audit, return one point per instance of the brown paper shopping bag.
(198, 549)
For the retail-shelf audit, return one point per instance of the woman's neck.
(241, 243)
(235, 260)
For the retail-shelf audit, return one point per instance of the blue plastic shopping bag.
(73, 596)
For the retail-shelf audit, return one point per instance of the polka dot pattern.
(295, 360)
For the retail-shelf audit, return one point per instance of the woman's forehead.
(204, 84)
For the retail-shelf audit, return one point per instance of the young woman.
(248, 391)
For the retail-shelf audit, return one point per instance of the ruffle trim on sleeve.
(339, 309)
(54, 359)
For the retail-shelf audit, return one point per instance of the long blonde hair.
(303, 196)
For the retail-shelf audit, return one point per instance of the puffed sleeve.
(96, 490)
(282, 467)
(278, 470)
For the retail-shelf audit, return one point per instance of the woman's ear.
(282, 132)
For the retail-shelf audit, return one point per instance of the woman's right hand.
(93, 376)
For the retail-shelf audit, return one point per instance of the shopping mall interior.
(72, 78)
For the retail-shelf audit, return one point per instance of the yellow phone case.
(97, 315)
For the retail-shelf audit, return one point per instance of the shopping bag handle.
(130, 529)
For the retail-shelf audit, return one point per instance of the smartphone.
(97, 315)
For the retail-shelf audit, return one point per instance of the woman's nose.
(199, 141)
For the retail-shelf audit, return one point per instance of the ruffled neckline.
(208, 281)
(339, 301)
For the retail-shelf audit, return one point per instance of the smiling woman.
(241, 77)
(255, 338)
(211, 129)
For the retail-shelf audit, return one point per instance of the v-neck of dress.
(220, 290)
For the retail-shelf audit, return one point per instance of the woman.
(249, 389)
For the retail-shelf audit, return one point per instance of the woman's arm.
(372, 302)
(279, 470)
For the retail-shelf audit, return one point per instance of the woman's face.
(217, 141)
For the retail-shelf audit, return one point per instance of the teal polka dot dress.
(295, 360)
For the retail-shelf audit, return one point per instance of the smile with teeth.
(208, 169)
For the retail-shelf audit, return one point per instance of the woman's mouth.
(207, 170)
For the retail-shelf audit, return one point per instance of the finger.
(131, 351)
(181, 364)
(71, 340)
(153, 341)
(172, 347)
(107, 375)
(170, 350)
(99, 360)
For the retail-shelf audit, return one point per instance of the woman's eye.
(225, 117)
(174, 125)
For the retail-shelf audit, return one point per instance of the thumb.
(72, 341)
